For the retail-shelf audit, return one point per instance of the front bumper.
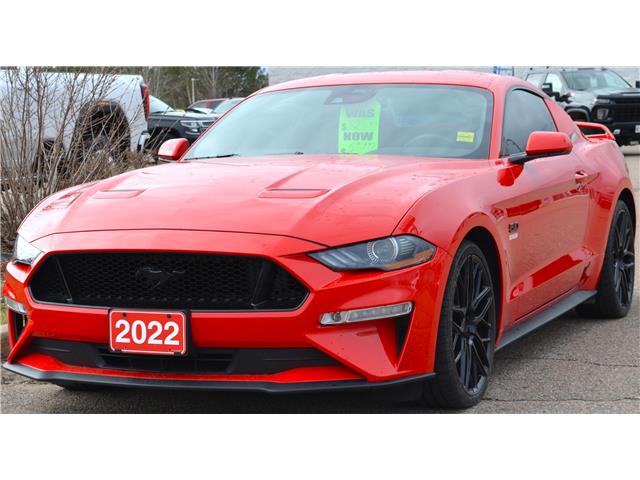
(368, 354)
(64, 378)
(142, 141)
(626, 133)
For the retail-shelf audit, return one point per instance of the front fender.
(448, 227)
(579, 109)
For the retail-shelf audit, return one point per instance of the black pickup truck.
(166, 123)
(594, 95)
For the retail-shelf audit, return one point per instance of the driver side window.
(524, 113)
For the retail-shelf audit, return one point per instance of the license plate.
(158, 333)
(637, 128)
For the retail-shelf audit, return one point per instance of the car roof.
(446, 77)
(563, 69)
(210, 100)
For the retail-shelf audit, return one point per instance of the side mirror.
(548, 143)
(565, 98)
(543, 144)
(548, 89)
(595, 131)
(637, 83)
(173, 149)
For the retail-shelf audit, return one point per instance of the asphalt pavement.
(573, 365)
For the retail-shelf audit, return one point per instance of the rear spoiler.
(595, 131)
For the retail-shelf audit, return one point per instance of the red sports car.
(341, 232)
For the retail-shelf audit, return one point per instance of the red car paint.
(288, 206)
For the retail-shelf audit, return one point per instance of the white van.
(61, 107)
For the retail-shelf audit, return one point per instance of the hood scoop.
(115, 194)
(292, 193)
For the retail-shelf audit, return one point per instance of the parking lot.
(573, 365)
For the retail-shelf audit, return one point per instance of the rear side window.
(535, 78)
(524, 113)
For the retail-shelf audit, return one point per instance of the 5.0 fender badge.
(513, 230)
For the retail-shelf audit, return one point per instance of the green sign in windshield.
(359, 128)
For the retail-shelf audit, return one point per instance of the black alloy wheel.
(472, 324)
(615, 288)
(466, 333)
(623, 258)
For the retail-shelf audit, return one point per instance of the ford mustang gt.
(340, 232)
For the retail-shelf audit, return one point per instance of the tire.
(615, 288)
(109, 138)
(467, 330)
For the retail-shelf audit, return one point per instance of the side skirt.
(545, 316)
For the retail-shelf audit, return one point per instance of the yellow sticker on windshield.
(359, 128)
(466, 137)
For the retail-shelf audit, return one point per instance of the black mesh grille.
(166, 280)
(626, 113)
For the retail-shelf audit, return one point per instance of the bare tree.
(56, 131)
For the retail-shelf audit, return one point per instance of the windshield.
(226, 105)
(589, 79)
(158, 106)
(424, 120)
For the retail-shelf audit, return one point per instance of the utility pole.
(193, 90)
(213, 83)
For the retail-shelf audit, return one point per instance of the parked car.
(206, 106)
(339, 232)
(594, 95)
(166, 123)
(225, 106)
(70, 107)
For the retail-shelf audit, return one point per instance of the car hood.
(614, 92)
(329, 200)
(184, 115)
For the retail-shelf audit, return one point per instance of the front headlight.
(191, 123)
(24, 252)
(389, 253)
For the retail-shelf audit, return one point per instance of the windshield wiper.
(285, 153)
(226, 155)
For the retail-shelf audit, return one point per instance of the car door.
(545, 210)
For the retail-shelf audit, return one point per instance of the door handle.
(581, 176)
(582, 179)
